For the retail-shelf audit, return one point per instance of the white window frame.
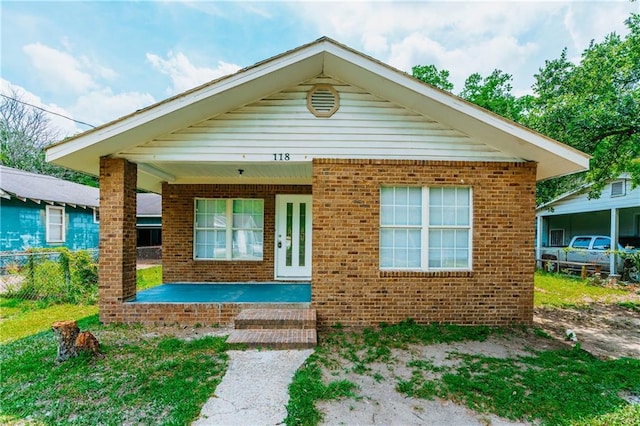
(228, 230)
(618, 188)
(96, 215)
(425, 227)
(62, 225)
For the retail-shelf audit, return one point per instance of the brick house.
(392, 198)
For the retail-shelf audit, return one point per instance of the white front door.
(293, 237)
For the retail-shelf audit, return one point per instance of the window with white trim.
(617, 188)
(55, 224)
(228, 229)
(425, 229)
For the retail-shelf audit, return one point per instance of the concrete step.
(276, 319)
(275, 339)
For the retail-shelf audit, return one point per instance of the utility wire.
(47, 111)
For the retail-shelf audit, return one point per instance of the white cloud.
(184, 75)
(60, 70)
(101, 106)
(94, 107)
(59, 124)
(599, 24)
(83, 77)
(464, 37)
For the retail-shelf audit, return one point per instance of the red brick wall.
(347, 284)
(177, 233)
(117, 264)
(205, 314)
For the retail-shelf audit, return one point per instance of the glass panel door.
(293, 237)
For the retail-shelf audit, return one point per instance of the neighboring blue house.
(616, 214)
(44, 211)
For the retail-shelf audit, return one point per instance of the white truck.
(589, 252)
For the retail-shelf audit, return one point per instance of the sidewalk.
(255, 389)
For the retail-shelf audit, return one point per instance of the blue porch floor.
(226, 293)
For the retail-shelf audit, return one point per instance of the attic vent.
(617, 188)
(323, 101)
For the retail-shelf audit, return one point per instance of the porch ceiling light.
(323, 100)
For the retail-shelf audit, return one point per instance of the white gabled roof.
(324, 57)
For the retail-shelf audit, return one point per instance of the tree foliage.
(430, 74)
(493, 93)
(593, 106)
(25, 132)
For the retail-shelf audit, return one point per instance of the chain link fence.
(53, 275)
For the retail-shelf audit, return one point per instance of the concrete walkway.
(254, 390)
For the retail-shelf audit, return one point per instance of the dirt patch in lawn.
(607, 331)
(379, 403)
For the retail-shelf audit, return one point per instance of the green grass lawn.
(562, 291)
(149, 277)
(585, 390)
(142, 379)
(21, 318)
(162, 380)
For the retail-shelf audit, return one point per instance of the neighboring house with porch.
(615, 214)
(389, 197)
(40, 211)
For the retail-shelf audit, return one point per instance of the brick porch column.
(117, 265)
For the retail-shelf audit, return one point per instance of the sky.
(99, 60)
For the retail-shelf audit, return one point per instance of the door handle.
(279, 244)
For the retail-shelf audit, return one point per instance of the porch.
(223, 293)
(272, 314)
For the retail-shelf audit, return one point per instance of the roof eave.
(324, 56)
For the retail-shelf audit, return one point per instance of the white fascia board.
(505, 135)
(581, 209)
(194, 106)
(550, 204)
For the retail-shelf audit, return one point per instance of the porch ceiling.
(293, 173)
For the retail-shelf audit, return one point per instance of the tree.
(25, 132)
(493, 93)
(430, 74)
(593, 106)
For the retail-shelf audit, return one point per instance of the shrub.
(59, 276)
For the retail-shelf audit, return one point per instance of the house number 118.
(281, 157)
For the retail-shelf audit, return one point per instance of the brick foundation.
(205, 314)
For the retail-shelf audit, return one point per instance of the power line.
(47, 111)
